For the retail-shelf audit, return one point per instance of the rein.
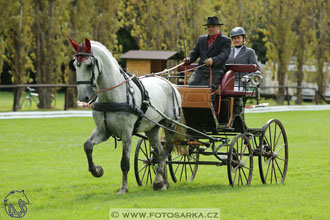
(116, 86)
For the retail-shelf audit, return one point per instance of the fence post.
(287, 95)
(66, 98)
(316, 97)
(15, 99)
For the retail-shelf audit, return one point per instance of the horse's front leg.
(96, 137)
(124, 163)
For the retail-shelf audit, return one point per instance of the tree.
(48, 29)
(18, 40)
(277, 20)
(164, 25)
(321, 23)
(302, 30)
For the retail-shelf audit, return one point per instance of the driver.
(213, 50)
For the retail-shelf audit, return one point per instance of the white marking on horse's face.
(84, 73)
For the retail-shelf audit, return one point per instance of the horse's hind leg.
(96, 137)
(153, 136)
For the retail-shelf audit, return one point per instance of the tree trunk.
(281, 72)
(300, 75)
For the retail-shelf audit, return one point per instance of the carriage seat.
(228, 80)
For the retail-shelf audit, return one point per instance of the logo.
(15, 204)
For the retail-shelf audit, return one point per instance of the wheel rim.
(183, 172)
(273, 157)
(240, 161)
(144, 163)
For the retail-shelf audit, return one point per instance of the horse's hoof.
(98, 172)
(158, 186)
(122, 191)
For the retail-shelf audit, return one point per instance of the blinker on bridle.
(94, 61)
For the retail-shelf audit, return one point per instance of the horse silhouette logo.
(15, 204)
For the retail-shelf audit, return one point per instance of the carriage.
(214, 125)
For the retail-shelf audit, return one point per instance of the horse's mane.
(104, 49)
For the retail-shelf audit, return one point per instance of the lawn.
(45, 157)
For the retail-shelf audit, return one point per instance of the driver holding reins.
(213, 50)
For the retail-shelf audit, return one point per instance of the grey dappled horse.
(96, 69)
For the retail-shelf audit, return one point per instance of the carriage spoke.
(242, 141)
(185, 168)
(241, 177)
(143, 174)
(274, 171)
(279, 168)
(267, 170)
(235, 169)
(235, 177)
(238, 179)
(182, 169)
(150, 175)
(280, 148)
(245, 175)
(267, 141)
(280, 134)
(267, 162)
(176, 157)
(144, 152)
(242, 154)
(142, 168)
(281, 159)
(177, 167)
(271, 172)
(191, 168)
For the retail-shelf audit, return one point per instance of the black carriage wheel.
(183, 171)
(144, 163)
(273, 157)
(240, 161)
(26, 104)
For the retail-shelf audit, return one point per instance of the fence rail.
(66, 86)
(16, 87)
(317, 94)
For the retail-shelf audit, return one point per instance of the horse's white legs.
(96, 137)
(124, 163)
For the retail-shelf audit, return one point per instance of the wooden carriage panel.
(195, 97)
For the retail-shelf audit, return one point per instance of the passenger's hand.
(186, 60)
(208, 62)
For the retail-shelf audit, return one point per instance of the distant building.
(141, 62)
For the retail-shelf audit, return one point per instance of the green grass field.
(45, 157)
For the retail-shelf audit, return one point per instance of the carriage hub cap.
(274, 155)
(241, 164)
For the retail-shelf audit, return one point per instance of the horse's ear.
(88, 44)
(75, 45)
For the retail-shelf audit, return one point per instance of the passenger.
(240, 54)
(213, 50)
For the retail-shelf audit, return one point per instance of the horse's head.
(87, 68)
